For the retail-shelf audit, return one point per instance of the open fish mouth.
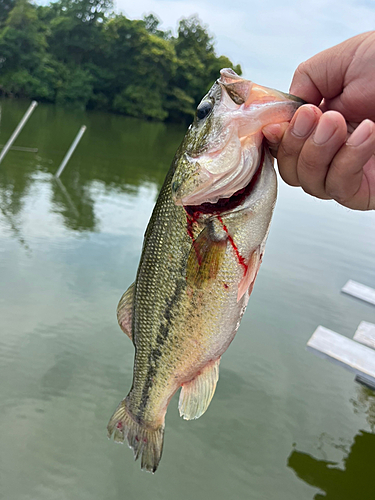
(226, 204)
(224, 146)
(220, 174)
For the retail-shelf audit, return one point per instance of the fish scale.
(201, 254)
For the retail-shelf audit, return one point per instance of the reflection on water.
(354, 477)
(69, 249)
(353, 480)
(365, 403)
(67, 196)
(121, 153)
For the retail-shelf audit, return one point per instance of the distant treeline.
(80, 53)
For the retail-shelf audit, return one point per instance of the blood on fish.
(240, 259)
(119, 425)
(191, 219)
(193, 213)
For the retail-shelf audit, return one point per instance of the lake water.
(283, 424)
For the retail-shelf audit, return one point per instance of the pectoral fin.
(196, 395)
(247, 281)
(205, 258)
(125, 311)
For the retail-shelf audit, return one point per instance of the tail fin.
(144, 442)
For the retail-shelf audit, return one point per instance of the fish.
(201, 253)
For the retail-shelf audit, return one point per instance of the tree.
(78, 53)
(197, 66)
(75, 29)
(151, 23)
(26, 68)
(5, 7)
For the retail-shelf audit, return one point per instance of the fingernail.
(325, 130)
(304, 122)
(361, 133)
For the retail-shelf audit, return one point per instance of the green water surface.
(283, 425)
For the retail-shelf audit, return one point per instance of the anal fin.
(125, 311)
(196, 395)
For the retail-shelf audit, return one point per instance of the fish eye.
(204, 109)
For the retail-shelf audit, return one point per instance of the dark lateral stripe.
(157, 351)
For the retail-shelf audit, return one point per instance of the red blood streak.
(145, 440)
(191, 219)
(194, 212)
(226, 286)
(119, 426)
(240, 259)
(137, 438)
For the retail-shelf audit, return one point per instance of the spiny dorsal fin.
(205, 258)
(196, 395)
(125, 311)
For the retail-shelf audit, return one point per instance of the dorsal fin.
(125, 311)
(196, 395)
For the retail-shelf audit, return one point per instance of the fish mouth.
(230, 203)
(212, 183)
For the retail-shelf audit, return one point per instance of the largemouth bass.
(202, 250)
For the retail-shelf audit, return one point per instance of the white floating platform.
(365, 334)
(348, 353)
(360, 291)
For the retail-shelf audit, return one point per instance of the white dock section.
(359, 291)
(348, 353)
(365, 334)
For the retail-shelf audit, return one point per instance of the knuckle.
(339, 193)
(288, 151)
(308, 189)
(292, 182)
(317, 192)
(288, 174)
(308, 164)
(301, 68)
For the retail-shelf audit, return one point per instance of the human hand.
(329, 147)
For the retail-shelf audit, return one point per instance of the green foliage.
(78, 53)
(134, 101)
(76, 89)
(5, 7)
(151, 23)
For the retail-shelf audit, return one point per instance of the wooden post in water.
(18, 129)
(70, 151)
